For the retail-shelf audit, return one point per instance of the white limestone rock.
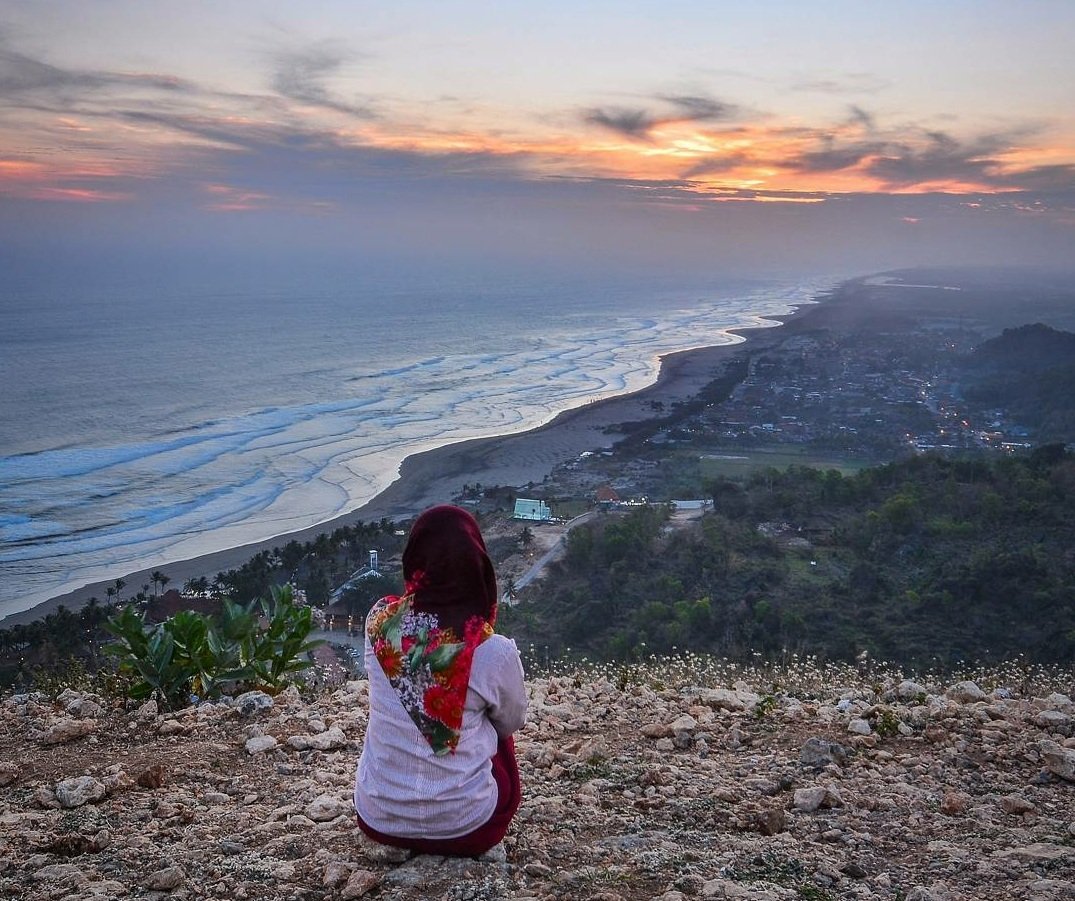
(966, 692)
(259, 744)
(68, 729)
(324, 808)
(79, 790)
(816, 797)
(1058, 760)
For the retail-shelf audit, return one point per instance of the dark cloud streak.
(861, 117)
(835, 159)
(300, 75)
(632, 123)
(714, 165)
(24, 80)
(939, 157)
(698, 108)
(943, 158)
(637, 123)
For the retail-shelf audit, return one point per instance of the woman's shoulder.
(497, 646)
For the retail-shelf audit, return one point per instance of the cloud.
(20, 74)
(692, 193)
(297, 75)
(1057, 177)
(239, 165)
(637, 123)
(848, 83)
(698, 108)
(860, 117)
(32, 83)
(225, 198)
(714, 165)
(219, 131)
(911, 158)
(300, 75)
(942, 159)
(633, 123)
(833, 158)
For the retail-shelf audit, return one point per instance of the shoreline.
(434, 476)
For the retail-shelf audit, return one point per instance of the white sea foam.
(77, 514)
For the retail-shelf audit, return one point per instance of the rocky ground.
(669, 781)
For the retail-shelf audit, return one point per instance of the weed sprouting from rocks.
(803, 677)
(779, 870)
(886, 724)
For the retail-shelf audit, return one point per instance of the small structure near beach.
(535, 511)
(693, 504)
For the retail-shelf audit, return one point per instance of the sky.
(769, 137)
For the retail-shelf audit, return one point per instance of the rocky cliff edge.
(671, 780)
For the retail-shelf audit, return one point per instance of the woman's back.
(438, 772)
(402, 788)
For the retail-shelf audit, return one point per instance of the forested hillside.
(922, 559)
(1029, 371)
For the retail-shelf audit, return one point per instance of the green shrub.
(257, 646)
(273, 652)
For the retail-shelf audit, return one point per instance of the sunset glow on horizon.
(255, 109)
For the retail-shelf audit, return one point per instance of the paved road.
(552, 553)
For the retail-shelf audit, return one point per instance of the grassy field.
(740, 462)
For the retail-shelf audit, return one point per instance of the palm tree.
(119, 583)
(91, 613)
(159, 580)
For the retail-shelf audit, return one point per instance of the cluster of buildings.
(875, 397)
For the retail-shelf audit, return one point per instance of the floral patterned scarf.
(425, 640)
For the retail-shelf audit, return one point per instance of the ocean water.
(145, 424)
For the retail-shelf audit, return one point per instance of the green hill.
(1030, 372)
(924, 561)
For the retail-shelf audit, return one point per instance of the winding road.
(552, 553)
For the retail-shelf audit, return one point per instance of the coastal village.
(826, 400)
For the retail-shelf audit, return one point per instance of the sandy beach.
(437, 475)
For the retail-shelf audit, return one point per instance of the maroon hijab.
(447, 569)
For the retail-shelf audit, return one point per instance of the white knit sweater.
(402, 788)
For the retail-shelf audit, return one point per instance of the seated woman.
(438, 773)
